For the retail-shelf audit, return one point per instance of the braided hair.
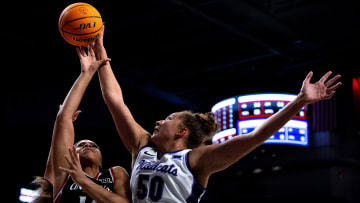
(201, 127)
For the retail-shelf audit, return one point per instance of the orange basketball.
(80, 24)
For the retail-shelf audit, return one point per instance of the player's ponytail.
(201, 127)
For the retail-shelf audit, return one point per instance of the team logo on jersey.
(75, 186)
(147, 153)
(164, 168)
(105, 180)
(176, 157)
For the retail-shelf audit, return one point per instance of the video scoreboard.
(240, 115)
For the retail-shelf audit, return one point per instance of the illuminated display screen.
(242, 114)
(28, 195)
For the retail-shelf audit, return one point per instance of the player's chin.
(154, 137)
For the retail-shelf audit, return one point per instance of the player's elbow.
(113, 97)
(64, 116)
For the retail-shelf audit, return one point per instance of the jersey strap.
(197, 191)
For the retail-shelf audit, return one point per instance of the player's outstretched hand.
(320, 90)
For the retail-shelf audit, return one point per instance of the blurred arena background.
(171, 55)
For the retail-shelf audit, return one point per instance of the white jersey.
(165, 179)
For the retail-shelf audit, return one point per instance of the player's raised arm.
(210, 159)
(131, 133)
(49, 169)
(63, 132)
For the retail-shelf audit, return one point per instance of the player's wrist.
(301, 99)
(89, 73)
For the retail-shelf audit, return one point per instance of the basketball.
(80, 24)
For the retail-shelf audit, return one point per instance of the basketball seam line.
(62, 18)
(79, 19)
(68, 10)
(82, 34)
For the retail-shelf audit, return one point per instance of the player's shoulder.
(146, 148)
(119, 171)
(149, 146)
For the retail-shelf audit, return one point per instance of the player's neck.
(91, 171)
(171, 148)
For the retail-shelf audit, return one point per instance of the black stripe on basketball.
(62, 28)
(62, 18)
(82, 34)
(80, 19)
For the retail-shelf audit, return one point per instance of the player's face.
(166, 129)
(88, 149)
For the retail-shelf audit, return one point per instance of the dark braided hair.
(201, 127)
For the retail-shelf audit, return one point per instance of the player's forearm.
(110, 87)
(278, 120)
(100, 194)
(73, 98)
(49, 170)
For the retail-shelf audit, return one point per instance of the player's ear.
(182, 132)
